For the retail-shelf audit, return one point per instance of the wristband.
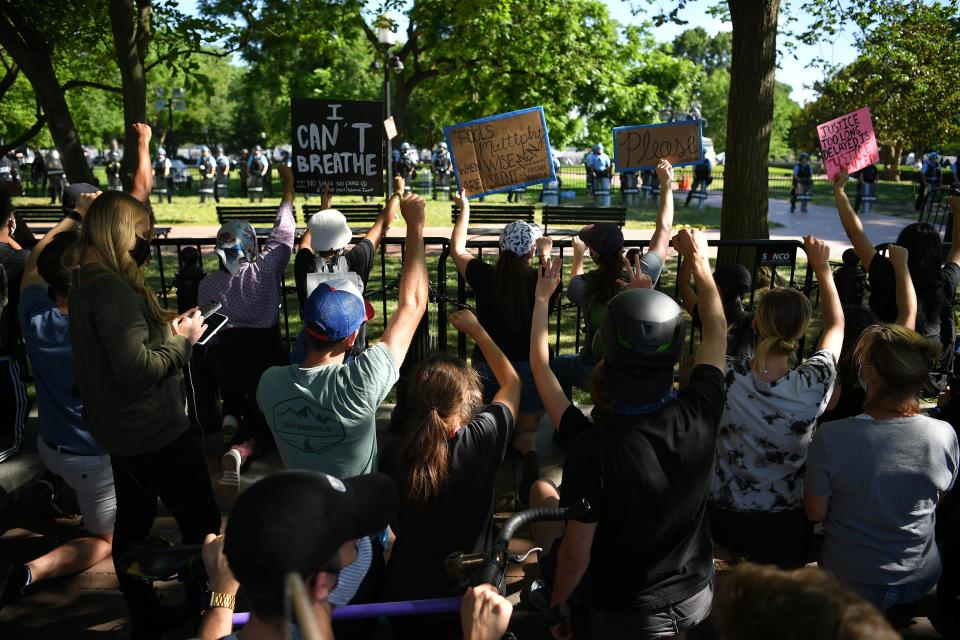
(211, 599)
(73, 215)
(397, 195)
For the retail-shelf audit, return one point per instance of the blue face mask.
(352, 575)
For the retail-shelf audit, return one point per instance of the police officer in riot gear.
(601, 167)
(802, 182)
(405, 164)
(866, 188)
(257, 167)
(113, 171)
(208, 173)
(55, 176)
(588, 168)
(222, 180)
(163, 175)
(930, 176)
(442, 168)
(702, 177)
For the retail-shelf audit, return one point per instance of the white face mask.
(13, 226)
(352, 575)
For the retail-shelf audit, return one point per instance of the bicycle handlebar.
(497, 558)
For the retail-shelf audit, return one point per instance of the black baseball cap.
(642, 334)
(734, 278)
(604, 238)
(72, 193)
(297, 520)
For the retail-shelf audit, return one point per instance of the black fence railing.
(775, 259)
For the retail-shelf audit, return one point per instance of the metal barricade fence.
(777, 258)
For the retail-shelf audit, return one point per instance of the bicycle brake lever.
(518, 559)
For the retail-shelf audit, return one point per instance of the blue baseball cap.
(335, 310)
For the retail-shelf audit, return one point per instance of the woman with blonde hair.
(770, 410)
(129, 355)
(444, 466)
(875, 479)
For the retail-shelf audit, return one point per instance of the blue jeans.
(572, 371)
(884, 596)
(529, 398)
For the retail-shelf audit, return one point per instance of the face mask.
(352, 575)
(140, 252)
(231, 257)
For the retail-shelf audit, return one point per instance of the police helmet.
(934, 156)
(405, 146)
(161, 151)
(804, 156)
(204, 149)
(443, 145)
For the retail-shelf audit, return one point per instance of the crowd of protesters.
(755, 445)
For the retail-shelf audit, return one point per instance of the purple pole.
(377, 609)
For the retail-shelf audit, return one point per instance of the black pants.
(236, 360)
(177, 475)
(782, 538)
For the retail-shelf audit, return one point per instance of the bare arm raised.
(692, 245)
(412, 299)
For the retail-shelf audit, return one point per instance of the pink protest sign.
(848, 142)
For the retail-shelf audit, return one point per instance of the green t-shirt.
(324, 418)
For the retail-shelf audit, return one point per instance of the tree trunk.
(32, 54)
(750, 121)
(131, 32)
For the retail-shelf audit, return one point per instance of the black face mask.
(141, 251)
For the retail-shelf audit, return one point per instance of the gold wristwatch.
(213, 599)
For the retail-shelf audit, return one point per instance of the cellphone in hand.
(215, 321)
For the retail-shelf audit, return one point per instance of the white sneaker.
(229, 428)
(230, 467)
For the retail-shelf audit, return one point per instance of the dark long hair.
(602, 281)
(513, 282)
(925, 257)
(443, 393)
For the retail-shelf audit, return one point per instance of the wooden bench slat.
(494, 213)
(583, 215)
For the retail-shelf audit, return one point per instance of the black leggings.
(176, 474)
(782, 538)
(236, 359)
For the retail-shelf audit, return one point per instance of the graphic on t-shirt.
(307, 427)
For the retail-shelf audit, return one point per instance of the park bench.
(580, 216)
(260, 217)
(493, 214)
(42, 218)
(356, 214)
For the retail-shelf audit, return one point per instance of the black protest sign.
(337, 144)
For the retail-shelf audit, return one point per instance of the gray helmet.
(443, 145)
(642, 335)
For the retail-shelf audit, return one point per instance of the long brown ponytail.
(443, 393)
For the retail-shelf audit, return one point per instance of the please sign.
(643, 146)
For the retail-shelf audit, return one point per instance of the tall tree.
(907, 73)
(745, 195)
(708, 52)
(28, 33)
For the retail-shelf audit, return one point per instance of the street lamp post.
(387, 37)
(177, 101)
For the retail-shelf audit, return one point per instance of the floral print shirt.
(764, 433)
